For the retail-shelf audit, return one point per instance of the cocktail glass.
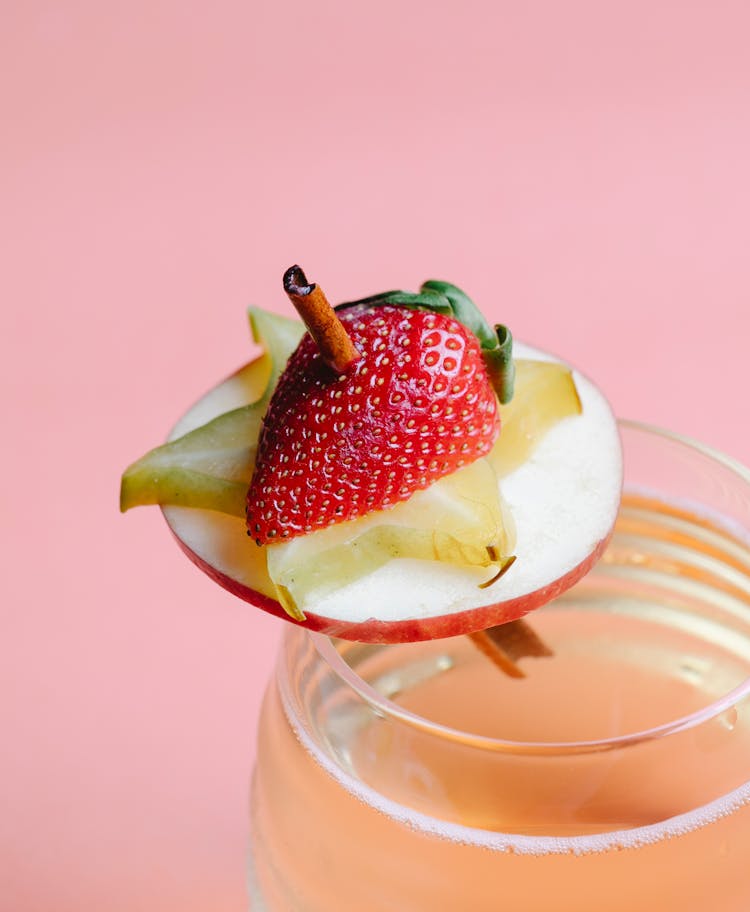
(614, 776)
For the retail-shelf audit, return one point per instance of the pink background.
(581, 168)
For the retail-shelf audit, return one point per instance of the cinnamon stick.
(507, 643)
(334, 344)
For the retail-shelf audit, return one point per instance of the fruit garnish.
(443, 298)
(407, 403)
(561, 487)
(210, 467)
(545, 394)
(459, 520)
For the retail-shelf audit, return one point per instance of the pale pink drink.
(615, 776)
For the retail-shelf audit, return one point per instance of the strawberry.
(415, 405)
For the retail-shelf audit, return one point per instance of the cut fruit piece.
(278, 337)
(416, 406)
(563, 499)
(459, 520)
(209, 460)
(208, 468)
(545, 394)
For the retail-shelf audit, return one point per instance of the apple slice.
(563, 498)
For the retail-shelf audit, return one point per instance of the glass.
(615, 776)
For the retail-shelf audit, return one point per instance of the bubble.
(728, 719)
(693, 669)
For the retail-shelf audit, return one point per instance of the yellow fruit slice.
(545, 393)
(460, 520)
(278, 337)
(210, 467)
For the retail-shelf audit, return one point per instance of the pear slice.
(459, 520)
(545, 393)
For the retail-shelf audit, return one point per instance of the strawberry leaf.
(496, 343)
(424, 300)
(444, 298)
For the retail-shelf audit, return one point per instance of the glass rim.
(379, 703)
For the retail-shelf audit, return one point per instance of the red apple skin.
(413, 629)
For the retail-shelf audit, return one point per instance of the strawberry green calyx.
(443, 298)
(499, 363)
(496, 342)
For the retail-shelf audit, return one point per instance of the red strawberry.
(417, 405)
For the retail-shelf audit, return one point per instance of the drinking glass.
(614, 776)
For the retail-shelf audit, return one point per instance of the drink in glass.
(615, 775)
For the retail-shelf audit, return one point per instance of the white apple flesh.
(564, 501)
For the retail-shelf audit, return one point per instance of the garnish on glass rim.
(410, 421)
(505, 643)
